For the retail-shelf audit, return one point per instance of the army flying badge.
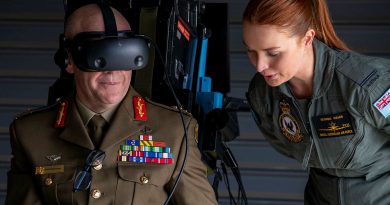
(288, 124)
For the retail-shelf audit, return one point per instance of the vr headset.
(105, 51)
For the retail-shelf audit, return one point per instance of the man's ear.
(70, 67)
(309, 37)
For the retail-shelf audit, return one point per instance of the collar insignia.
(139, 109)
(62, 114)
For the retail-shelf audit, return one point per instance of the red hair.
(297, 16)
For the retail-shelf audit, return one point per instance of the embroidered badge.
(139, 109)
(288, 124)
(53, 158)
(383, 104)
(334, 125)
(61, 115)
(145, 150)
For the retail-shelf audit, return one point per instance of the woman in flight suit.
(318, 102)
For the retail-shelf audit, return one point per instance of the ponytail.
(323, 26)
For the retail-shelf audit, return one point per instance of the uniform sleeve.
(20, 186)
(193, 187)
(377, 107)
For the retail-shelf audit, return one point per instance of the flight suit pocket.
(338, 136)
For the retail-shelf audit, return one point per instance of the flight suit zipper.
(344, 161)
(306, 158)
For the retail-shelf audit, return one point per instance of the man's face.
(97, 90)
(102, 89)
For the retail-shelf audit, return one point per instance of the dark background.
(28, 39)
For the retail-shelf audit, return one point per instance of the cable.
(181, 116)
(227, 184)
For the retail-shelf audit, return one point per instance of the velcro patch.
(334, 125)
(383, 104)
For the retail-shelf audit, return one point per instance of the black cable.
(217, 178)
(237, 174)
(227, 183)
(181, 116)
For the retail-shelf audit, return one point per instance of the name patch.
(334, 125)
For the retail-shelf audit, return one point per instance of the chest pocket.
(144, 174)
(57, 187)
(142, 183)
(338, 135)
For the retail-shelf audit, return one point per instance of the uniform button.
(96, 193)
(98, 167)
(96, 163)
(144, 180)
(48, 181)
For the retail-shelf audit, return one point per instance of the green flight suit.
(341, 134)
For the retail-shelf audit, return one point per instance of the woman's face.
(277, 55)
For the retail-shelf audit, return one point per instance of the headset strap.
(109, 19)
(143, 80)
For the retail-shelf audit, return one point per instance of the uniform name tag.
(49, 169)
(334, 125)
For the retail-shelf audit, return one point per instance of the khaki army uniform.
(50, 146)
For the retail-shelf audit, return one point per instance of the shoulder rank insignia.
(61, 114)
(139, 109)
(288, 124)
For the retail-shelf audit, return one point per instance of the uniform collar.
(87, 114)
(324, 68)
(122, 125)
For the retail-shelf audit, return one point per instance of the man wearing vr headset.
(56, 158)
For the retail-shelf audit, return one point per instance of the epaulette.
(30, 111)
(364, 78)
(172, 108)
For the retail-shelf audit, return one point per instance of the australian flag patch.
(383, 104)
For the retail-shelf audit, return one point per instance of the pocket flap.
(154, 174)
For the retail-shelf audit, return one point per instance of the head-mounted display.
(97, 51)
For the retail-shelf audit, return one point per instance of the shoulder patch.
(383, 104)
